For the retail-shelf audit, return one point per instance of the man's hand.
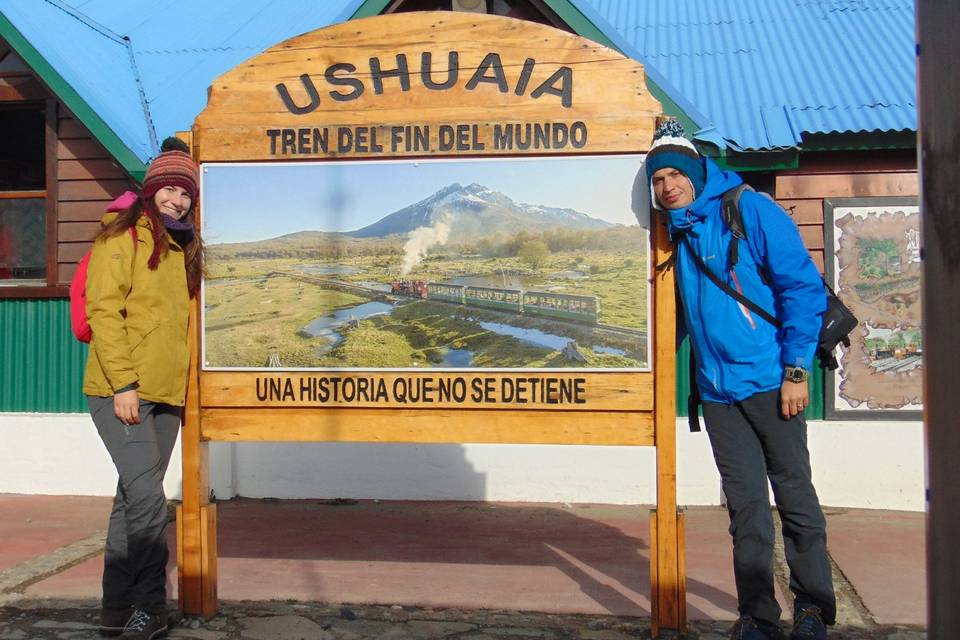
(794, 398)
(126, 406)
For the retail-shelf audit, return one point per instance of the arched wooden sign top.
(422, 84)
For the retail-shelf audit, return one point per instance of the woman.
(138, 290)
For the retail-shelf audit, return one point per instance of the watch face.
(796, 374)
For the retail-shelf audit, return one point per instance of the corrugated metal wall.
(42, 363)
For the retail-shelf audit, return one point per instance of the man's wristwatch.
(795, 374)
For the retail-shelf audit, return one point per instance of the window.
(23, 195)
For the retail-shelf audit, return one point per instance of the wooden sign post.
(435, 85)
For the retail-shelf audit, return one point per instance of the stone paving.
(76, 620)
(39, 549)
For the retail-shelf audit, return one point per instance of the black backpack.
(838, 320)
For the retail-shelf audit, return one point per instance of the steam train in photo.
(566, 306)
(412, 288)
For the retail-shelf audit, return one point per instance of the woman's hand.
(126, 406)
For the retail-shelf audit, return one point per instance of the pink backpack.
(78, 286)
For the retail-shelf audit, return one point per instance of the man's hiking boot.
(747, 628)
(808, 624)
(145, 626)
(112, 621)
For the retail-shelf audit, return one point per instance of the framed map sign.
(476, 264)
(873, 261)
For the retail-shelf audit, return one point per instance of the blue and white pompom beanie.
(671, 149)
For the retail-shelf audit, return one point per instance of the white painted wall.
(877, 465)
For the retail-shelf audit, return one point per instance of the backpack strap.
(730, 210)
(693, 397)
(730, 291)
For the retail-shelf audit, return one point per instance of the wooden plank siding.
(82, 180)
(849, 185)
(841, 175)
(19, 88)
(88, 179)
(17, 84)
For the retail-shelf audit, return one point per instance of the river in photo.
(609, 350)
(327, 269)
(329, 327)
(457, 358)
(369, 284)
(533, 337)
(325, 325)
(539, 338)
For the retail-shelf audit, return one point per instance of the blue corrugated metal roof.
(111, 50)
(765, 72)
(754, 74)
(98, 59)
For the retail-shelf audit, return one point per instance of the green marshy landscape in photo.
(466, 277)
(253, 310)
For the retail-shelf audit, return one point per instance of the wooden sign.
(423, 84)
(409, 88)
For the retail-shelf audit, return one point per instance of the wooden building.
(64, 185)
(82, 106)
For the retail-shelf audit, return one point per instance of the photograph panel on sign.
(480, 264)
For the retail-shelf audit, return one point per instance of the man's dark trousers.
(752, 442)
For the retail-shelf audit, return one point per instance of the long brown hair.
(193, 251)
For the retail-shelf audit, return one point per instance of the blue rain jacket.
(738, 353)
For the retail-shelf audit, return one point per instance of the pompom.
(670, 129)
(174, 144)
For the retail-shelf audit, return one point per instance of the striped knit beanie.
(173, 167)
(671, 149)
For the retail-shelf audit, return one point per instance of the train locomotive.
(412, 288)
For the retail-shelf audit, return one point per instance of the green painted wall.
(42, 363)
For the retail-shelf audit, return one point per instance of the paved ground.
(302, 621)
(426, 570)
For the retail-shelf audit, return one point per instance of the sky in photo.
(250, 202)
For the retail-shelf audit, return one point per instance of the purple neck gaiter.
(173, 224)
(180, 230)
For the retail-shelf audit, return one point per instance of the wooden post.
(939, 166)
(196, 517)
(668, 597)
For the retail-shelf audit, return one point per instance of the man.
(751, 377)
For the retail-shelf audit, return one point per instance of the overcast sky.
(248, 202)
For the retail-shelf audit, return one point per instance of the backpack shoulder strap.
(730, 210)
(730, 291)
(693, 397)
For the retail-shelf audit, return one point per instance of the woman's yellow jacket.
(139, 318)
